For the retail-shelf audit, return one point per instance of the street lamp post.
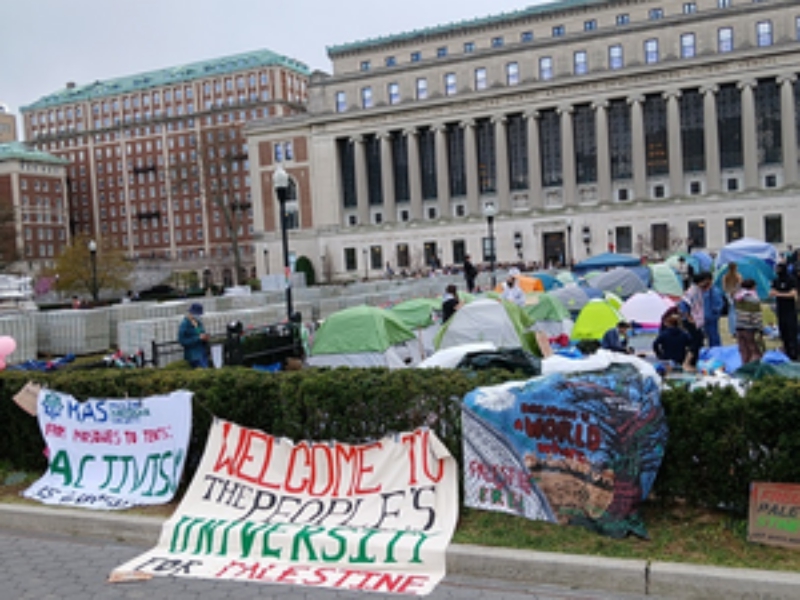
(569, 244)
(366, 265)
(489, 211)
(93, 258)
(280, 181)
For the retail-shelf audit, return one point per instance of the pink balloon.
(7, 345)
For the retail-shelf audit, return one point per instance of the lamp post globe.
(93, 258)
(280, 182)
(489, 211)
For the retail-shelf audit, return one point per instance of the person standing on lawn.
(731, 282)
(692, 310)
(713, 305)
(749, 322)
(784, 290)
(470, 273)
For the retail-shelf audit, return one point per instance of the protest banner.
(112, 453)
(774, 514)
(371, 517)
(580, 448)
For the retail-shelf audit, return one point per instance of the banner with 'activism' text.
(371, 517)
(112, 453)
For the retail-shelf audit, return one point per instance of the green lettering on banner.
(181, 533)
(422, 538)
(334, 533)
(304, 537)
(109, 460)
(362, 557)
(82, 466)
(205, 536)
(61, 466)
(266, 549)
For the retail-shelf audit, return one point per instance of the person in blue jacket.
(713, 306)
(616, 338)
(672, 343)
(193, 337)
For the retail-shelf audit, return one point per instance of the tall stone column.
(362, 188)
(788, 131)
(471, 151)
(503, 182)
(603, 150)
(749, 134)
(414, 174)
(711, 138)
(387, 178)
(638, 148)
(442, 170)
(674, 145)
(535, 196)
(568, 178)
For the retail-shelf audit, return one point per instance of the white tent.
(647, 308)
(484, 320)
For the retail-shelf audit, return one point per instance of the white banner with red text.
(112, 453)
(371, 517)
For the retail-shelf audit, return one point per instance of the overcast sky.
(46, 43)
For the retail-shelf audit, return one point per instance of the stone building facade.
(637, 126)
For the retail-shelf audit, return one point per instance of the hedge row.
(718, 441)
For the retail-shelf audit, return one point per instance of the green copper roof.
(20, 151)
(417, 34)
(173, 75)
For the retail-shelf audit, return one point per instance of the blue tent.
(607, 260)
(751, 268)
(703, 259)
(548, 280)
(747, 248)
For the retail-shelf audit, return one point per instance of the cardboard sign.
(27, 397)
(375, 517)
(774, 514)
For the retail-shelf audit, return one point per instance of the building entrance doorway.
(553, 249)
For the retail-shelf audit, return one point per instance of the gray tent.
(572, 296)
(621, 281)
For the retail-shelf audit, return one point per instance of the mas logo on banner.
(375, 517)
(578, 449)
(112, 454)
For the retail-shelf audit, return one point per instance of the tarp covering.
(360, 329)
(621, 281)
(487, 320)
(607, 260)
(417, 312)
(747, 248)
(510, 359)
(665, 280)
(760, 370)
(448, 358)
(646, 308)
(580, 449)
(597, 317)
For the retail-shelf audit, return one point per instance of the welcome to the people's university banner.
(112, 453)
(581, 448)
(372, 517)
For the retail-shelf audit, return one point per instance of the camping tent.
(549, 281)
(646, 308)
(597, 317)
(363, 336)
(621, 281)
(421, 315)
(487, 320)
(548, 315)
(666, 280)
(607, 260)
(747, 248)
(525, 283)
(572, 296)
(751, 268)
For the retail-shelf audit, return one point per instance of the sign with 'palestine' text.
(112, 454)
(371, 517)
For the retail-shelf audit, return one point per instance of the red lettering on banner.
(421, 439)
(53, 430)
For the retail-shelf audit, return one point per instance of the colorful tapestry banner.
(373, 517)
(569, 448)
(112, 453)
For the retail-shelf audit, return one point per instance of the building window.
(517, 140)
(725, 39)
(469, 47)
(526, 36)
(341, 102)
(545, 68)
(590, 25)
(689, 8)
(480, 78)
(583, 119)
(734, 229)
(441, 51)
(580, 63)
(365, 64)
(347, 172)
(366, 97)
(693, 132)
(655, 14)
(651, 51)
(457, 178)
(391, 61)
(658, 191)
(375, 257)
(623, 19)
(697, 233)
(773, 229)
(487, 166)
(431, 213)
(724, 3)
(771, 181)
(558, 31)
(620, 140)
(416, 57)
(768, 123)
(764, 33)
(733, 184)
(729, 127)
(497, 42)
(688, 49)
(400, 166)
(615, 58)
(797, 28)
(394, 93)
(512, 73)
(350, 263)
(659, 237)
(426, 139)
(422, 88)
(622, 194)
(403, 255)
(624, 237)
(450, 84)
(550, 149)
(695, 188)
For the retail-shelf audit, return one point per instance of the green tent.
(544, 307)
(613, 299)
(666, 280)
(597, 317)
(360, 329)
(565, 277)
(417, 312)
